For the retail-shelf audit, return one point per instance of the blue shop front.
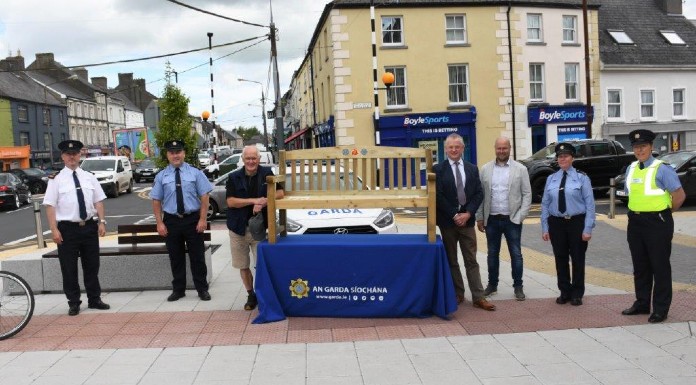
(556, 124)
(430, 131)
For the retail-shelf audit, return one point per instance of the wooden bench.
(352, 177)
(139, 262)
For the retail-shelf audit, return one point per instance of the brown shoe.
(484, 304)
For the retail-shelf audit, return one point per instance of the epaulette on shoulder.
(53, 175)
(581, 172)
(91, 172)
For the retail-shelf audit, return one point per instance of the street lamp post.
(263, 110)
(388, 80)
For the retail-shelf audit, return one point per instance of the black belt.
(499, 216)
(180, 216)
(650, 212)
(568, 217)
(80, 223)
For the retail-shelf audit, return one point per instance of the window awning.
(296, 134)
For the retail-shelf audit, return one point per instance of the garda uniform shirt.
(61, 194)
(579, 198)
(194, 184)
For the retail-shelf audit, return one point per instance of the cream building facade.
(452, 70)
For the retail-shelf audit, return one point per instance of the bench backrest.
(145, 234)
(358, 175)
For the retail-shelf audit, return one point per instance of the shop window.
(392, 30)
(396, 95)
(455, 29)
(458, 84)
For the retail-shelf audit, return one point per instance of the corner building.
(451, 62)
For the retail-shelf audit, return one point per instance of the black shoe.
(175, 296)
(74, 309)
(204, 295)
(634, 310)
(98, 304)
(490, 290)
(251, 302)
(561, 300)
(657, 317)
(576, 301)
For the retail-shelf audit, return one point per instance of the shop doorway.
(538, 137)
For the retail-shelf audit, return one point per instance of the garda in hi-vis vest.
(643, 193)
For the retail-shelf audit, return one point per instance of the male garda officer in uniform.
(180, 204)
(73, 198)
(654, 192)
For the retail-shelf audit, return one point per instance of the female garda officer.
(567, 219)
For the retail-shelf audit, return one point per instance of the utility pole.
(589, 113)
(280, 139)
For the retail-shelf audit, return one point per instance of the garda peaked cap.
(641, 136)
(70, 146)
(174, 145)
(565, 148)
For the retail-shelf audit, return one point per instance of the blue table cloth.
(389, 275)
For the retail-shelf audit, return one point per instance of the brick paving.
(234, 327)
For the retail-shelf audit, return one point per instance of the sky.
(82, 32)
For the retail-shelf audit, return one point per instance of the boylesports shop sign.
(556, 114)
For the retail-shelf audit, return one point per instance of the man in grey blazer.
(507, 198)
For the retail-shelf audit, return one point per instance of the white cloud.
(87, 31)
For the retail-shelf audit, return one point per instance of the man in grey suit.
(507, 198)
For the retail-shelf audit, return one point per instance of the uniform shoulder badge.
(53, 174)
(581, 172)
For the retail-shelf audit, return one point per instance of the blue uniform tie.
(179, 194)
(80, 197)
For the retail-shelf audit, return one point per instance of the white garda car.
(318, 221)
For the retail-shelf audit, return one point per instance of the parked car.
(146, 169)
(322, 221)
(683, 162)
(35, 178)
(204, 158)
(227, 165)
(600, 159)
(13, 191)
(114, 173)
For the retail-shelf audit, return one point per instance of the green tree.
(247, 133)
(175, 123)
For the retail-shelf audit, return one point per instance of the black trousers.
(568, 246)
(79, 242)
(650, 241)
(182, 236)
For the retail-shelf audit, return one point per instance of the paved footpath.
(145, 340)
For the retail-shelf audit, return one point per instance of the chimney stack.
(12, 63)
(82, 73)
(125, 80)
(670, 7)
(100, 81)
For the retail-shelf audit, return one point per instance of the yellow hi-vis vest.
(643, 193)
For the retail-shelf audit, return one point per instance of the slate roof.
(642, 21)
(19, 86)
(60, 84)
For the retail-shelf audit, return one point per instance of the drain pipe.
(512, 84)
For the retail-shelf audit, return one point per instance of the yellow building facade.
(452, 72)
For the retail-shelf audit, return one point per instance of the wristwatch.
(102, 221)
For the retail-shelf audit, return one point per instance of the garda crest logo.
(299, 288)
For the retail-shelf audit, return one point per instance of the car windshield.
(4, 178)
(147, 164)
(34, 172)
(546, 152)
(98, 165)
(203, 155)
(234, 159)
(676, 159)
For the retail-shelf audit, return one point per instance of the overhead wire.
(216, 14)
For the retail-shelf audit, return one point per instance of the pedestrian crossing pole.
(375, 85)
(212, 93)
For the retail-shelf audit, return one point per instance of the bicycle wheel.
(16, 304)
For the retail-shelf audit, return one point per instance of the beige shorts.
(243, 247)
